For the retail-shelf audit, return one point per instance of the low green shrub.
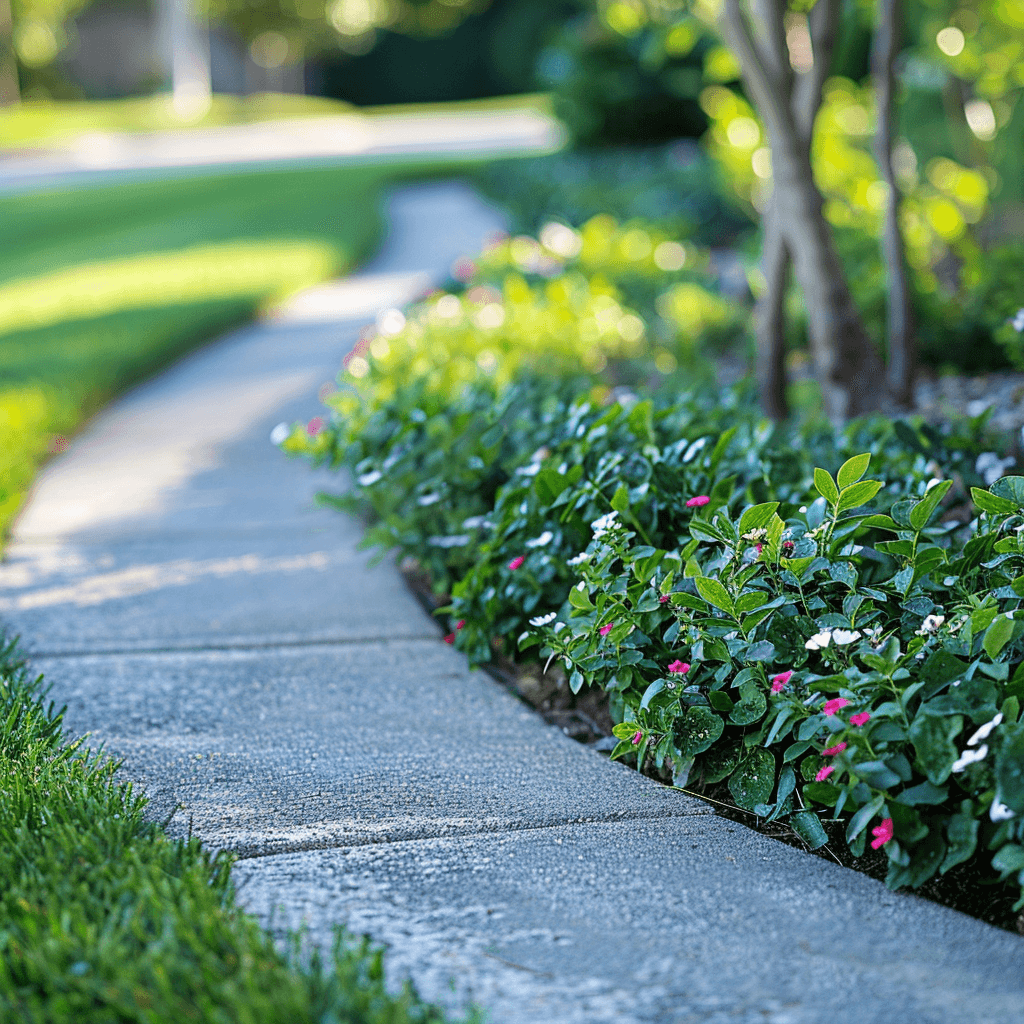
(693, 561)
(822, 672)
(104, 919)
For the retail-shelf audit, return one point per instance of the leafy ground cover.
(103, 918)
(829, 652)
(103, 286)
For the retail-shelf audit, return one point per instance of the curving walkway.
(206, 622)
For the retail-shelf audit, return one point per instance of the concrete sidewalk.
(205, 621)
(300, 141)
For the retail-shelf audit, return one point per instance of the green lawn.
(103, 285)
(105, 920)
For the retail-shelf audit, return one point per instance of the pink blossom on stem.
(664, 599)
(605, 630)
(834, 705)
(460, 623)
(824, 773)
(637, 737)
(314, 426)
(779, 681)
(516, 562)
(450, 638)
(759, 547)
(680, 668)
(861, 718)
(697, 501)
(832, 751)
(882, 834)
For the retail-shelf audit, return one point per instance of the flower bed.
(838, 654)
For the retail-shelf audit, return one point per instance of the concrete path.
(208, 624)
(340, 138)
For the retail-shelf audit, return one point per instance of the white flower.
(428, 499)
(845, 636)
(982, 732)
(874, 636)
(475, 522)
(819, 640)
(543, 620)
(604, 524)
(931, 624)
(368, 479)
(1000, 812)
(969, 757)
(582, 557)
(280, 433)
(539, 542)
(455, 540)
(1018, 321)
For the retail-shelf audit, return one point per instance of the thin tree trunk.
(10, 91)
(770, 320)
(902, 343)
(846, 364)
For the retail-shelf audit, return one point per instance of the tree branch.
(770, 103)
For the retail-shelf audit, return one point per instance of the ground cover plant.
(105, 919)
(829, 651)
(102, 286)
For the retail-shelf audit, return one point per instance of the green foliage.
(610, 63)
(676, 186)
(103, 918)
(736, 600)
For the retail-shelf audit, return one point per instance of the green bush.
(104, 919)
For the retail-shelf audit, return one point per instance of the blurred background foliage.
(665, 147)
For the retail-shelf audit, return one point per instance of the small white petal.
(280, 433)
(543, 620)
(846, 636)
(819, 640)
(969, 757)
(367, 479)
(1000, 812)
(539, 542)
(982, 732)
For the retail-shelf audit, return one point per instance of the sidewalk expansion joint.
(240, 645)
(253, 853)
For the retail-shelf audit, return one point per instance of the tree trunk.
(10, 92)
(902, 344)
(770, 320)
(847, 366)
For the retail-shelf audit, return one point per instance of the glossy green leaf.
(853, 469)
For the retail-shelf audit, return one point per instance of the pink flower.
(637, 737)
(605, 630)
(314, 426)
(698, 501)
(882, 834)
(787, 548)
(860, 718)
(680, 668)
(833, 705)
(460, 623)
(450, 638)
(759, 547)
(516, 562)
(824, 773)
(832, 751)
(664, 599)
(779, 681)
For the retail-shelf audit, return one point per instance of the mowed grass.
(101, 286)
(104, 919)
